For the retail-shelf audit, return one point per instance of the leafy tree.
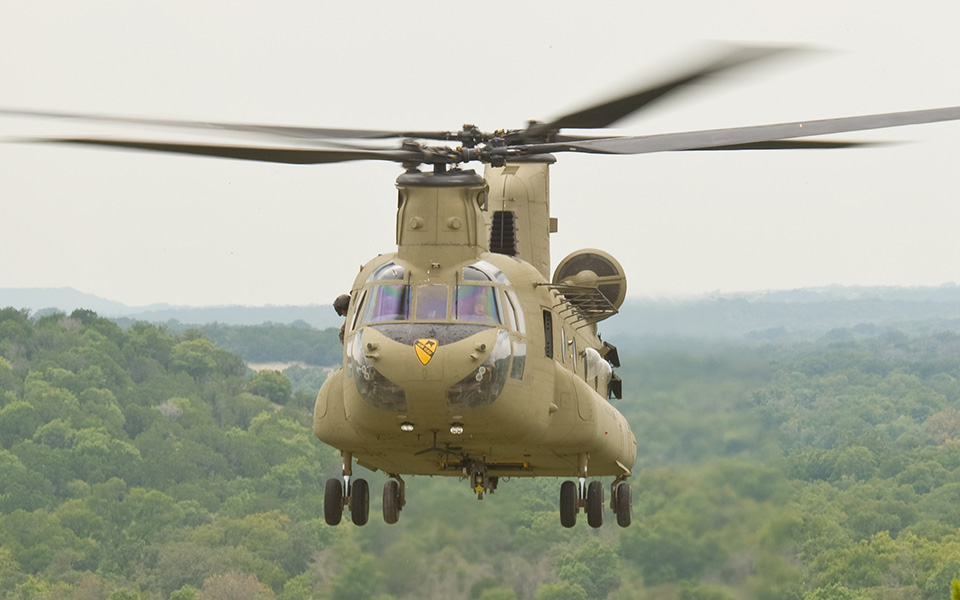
(359, 580)
(834, 591)
(18, 421)
(272, 385)
(49, 401)
(187, 592)
(234, 585)
(498, 593)
(10, 573)
(9, 382)
(200, 358)
(593, 568)
(561, 591)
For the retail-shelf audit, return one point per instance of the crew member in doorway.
(341, 304)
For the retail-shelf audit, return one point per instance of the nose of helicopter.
(429, 368)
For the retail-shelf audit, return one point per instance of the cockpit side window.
(431, 302)
(514, 310)
(358, 310)
(477, 303)
(388, 303)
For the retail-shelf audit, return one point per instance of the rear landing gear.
(595, 504)
(621, 502)
(577, 495)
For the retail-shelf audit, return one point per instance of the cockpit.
(479, 300)
(478, 296)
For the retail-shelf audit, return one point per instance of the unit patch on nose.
(425, 348)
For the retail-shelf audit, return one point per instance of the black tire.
(624, 504)
(391, 501)
(333, 501)
(360, 502)
(568, 503)
(595, 504)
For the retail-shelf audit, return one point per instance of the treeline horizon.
(787, 314)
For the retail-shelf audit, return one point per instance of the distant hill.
(760, 316)
(781, 315)
(63, 299)
(43, 300)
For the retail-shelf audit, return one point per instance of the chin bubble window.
(477, 304)
(485, 383)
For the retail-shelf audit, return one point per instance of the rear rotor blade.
(718, 139)
(607, 113)
(295, 156)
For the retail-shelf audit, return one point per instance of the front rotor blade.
(283, 131)
(293, 156)
(793, 145)
(607, 113)
(738, 136)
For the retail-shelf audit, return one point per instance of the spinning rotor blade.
(597, 116)
(759, 136)
(294, 156)
(283, 131)
(608, 113)
(794, 145)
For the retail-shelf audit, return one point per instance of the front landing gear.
(341, 492)
(394, 497)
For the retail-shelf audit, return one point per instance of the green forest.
(139, 462)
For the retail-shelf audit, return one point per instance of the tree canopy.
(145, 463)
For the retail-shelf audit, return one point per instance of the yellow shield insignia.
(425, 348)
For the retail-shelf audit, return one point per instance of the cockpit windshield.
(476, 298)
(478, 304)
(388, 303)
(432, 302)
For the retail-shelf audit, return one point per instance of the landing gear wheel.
(391, 501)
(333, 501)
(595, 504)
(624, 504)
(568, 503)
(360, 502)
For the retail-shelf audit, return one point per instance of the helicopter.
(465, 353)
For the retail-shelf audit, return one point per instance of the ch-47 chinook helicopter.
(462, 355)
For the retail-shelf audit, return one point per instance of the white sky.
(143, 228)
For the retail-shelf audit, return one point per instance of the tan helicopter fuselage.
(454, 354)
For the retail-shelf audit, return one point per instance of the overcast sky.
(143, 228)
